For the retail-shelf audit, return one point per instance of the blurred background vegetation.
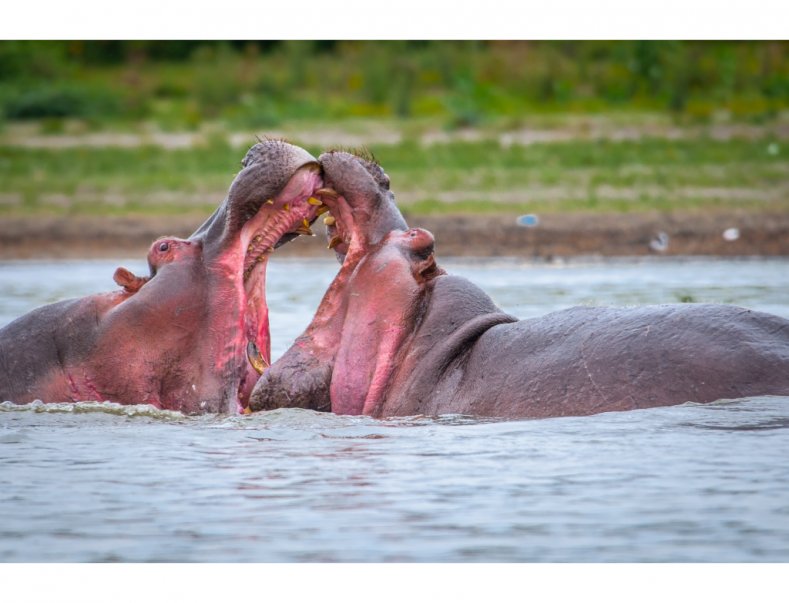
(615, 126)
(259, 84)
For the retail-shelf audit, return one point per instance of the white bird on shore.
(659, 243)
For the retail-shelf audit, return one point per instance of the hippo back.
(31, 350)
(587, 360)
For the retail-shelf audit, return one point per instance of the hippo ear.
(127, 280)
(427, 269)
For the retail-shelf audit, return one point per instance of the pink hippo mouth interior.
(278, 221)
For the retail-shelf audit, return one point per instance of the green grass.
(475, 176)
(249, 84)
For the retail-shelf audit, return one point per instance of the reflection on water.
(101, 482)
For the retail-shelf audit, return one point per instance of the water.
(100, 482)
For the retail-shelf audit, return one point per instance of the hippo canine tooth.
(322, 210)
(256, 358)
(335, 240)
(328, 192)
(314, 201)
(329, 220)
(305, 230)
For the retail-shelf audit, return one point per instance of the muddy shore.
(556, 235)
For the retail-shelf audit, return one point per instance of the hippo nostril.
(164, 247)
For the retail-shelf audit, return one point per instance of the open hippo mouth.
(275, 198)
(350, 350)
(363, 210)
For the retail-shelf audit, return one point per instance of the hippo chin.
(396, 336)
(194, 334)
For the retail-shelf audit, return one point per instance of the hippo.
(163, 251)
(193, 335)
(395, 335)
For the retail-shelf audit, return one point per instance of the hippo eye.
(164, 247)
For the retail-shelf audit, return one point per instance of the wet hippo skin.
(194, 334)
(396, 336)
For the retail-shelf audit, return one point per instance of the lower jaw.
(257, 336)
(257, 242)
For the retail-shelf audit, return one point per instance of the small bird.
(731, 234)
(659, 243)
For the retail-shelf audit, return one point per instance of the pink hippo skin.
(396, 336)
(194, 334)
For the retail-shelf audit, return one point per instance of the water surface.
(100, 482)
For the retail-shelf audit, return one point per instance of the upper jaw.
(268, 204)
(363, 210)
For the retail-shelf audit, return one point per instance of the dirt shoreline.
(485, 235)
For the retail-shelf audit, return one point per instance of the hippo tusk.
(335, 240)
(256, 358)
(322, 210)
(328, 192)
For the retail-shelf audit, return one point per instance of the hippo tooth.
(322, 210)
(329, 220)
(287, 207)
(257, 239)
(328, 192)
(270, 249)
(249, 249)
(305, 230)
(305, 222)
(256, 358)
(335, 240)
(270, 202)
(314, 201)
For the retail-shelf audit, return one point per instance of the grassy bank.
(483, 175)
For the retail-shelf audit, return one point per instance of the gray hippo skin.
(396, 336)
(194, 334)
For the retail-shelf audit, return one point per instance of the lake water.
(100, 482)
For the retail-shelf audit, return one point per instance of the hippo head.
(194, 334)
(344, 359)
(362, 207)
